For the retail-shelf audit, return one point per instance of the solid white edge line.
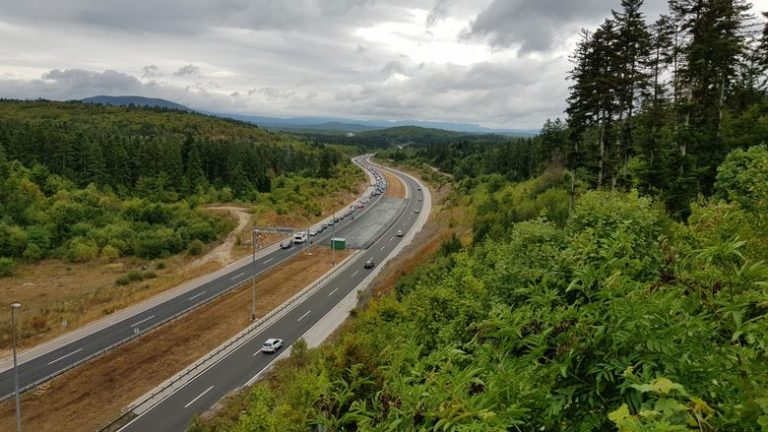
(198, 397)
(65, 356)
(198, 295)
(142, 321)
(303, 316)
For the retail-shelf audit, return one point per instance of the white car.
(399, 233)
(313, 232)
(272, 345)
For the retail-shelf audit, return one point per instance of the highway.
(44, 367)
(233, 371)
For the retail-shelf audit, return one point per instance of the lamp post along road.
(254, 239)
(15, 306)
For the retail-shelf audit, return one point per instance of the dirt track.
(91, 395)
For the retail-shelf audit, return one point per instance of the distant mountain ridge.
(314, 124)
(135, 101)
(349, 125)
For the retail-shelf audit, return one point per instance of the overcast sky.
(498, 63)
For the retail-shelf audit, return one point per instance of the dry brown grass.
(395, 187)
(91, 395)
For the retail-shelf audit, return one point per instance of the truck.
(300, 237)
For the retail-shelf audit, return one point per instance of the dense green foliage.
(153, 153)
(79, 181)
(45, 215)
(651, 106)
(608, 316)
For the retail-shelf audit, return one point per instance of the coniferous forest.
(653, 105)
(615, 277)
(81, 181)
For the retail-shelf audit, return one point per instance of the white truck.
(300, 237)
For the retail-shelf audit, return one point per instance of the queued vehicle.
(285, 244)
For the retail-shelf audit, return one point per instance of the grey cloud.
(536, 25)
(438, 12)
(78, 81)
(486, 93)
(392, 67)
(187, 70)
(150, 71)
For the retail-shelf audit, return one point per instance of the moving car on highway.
(272, 345)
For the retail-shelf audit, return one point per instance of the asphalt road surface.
(175, 412)
(46, 366)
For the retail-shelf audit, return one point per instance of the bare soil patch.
(395, 187)
(223, 252)
(91, 395)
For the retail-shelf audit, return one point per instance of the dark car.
(369, 264)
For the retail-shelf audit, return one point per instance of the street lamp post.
(15, 306)
(254, 239)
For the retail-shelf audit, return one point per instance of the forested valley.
(615, 277)
(80, 181)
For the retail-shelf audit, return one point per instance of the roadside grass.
(448, 217)
(58, 296)
(92, 394)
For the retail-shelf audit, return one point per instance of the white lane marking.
(237, 276)
(268, 261)
(391, 239)
(197, 295)
(353, 274)
(65, 356)
(142, 321)
(198, 397)
(382, 248)
(303, 316)
(331, 293)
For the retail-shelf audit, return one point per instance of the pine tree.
(711, 48)
(632, 78)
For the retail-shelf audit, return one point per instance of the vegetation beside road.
(100, 205)
(616, 274)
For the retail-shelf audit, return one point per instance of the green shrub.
(81, 250)
(160, 265)
(195, 248)
(33, 253)
(110, 253)
(7, 266)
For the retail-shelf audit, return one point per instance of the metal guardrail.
(202, 364)
(127, 339)
(210, 359)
